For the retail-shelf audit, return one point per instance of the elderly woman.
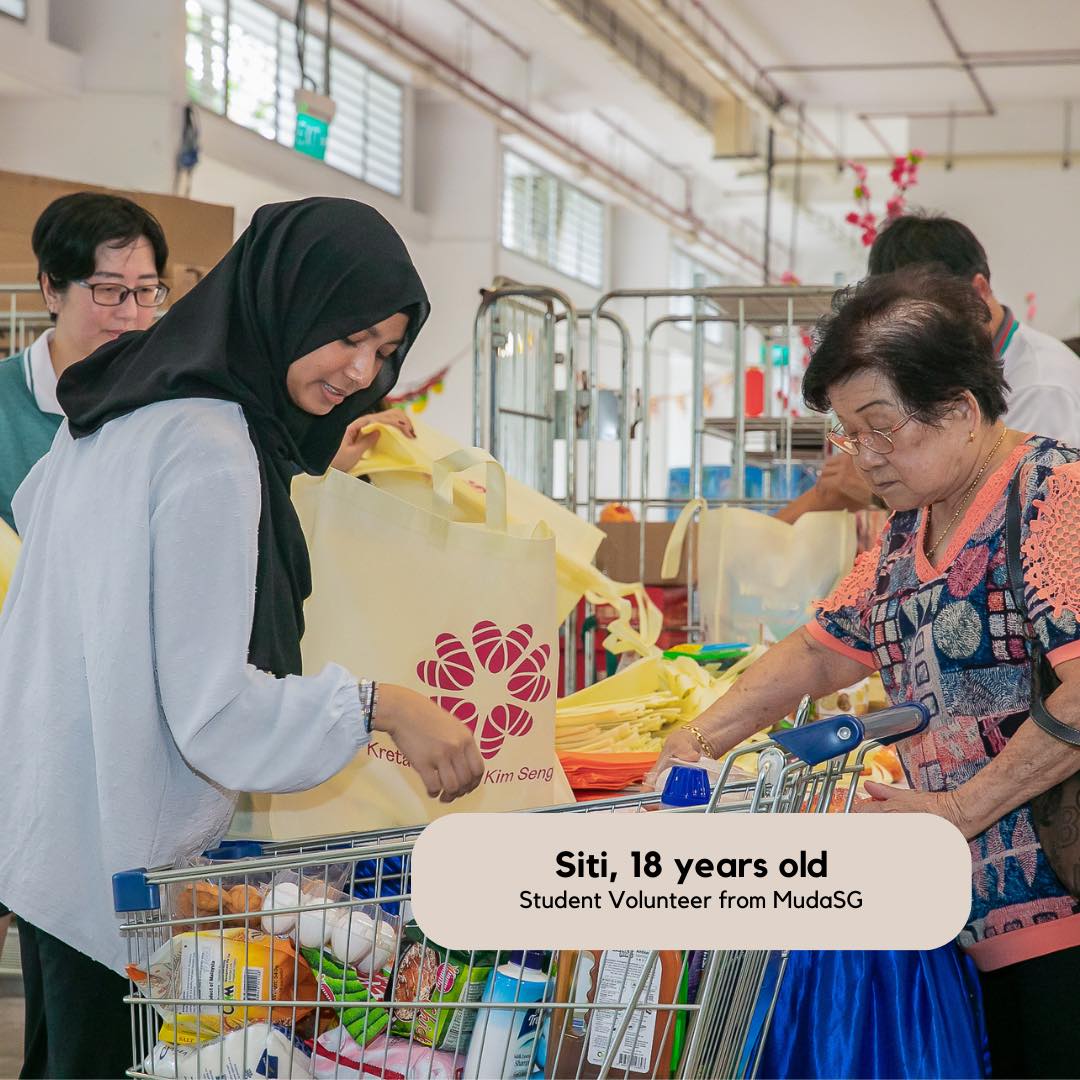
(906, 363)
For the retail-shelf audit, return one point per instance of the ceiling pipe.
(947, 30)
(1019, 158)
(1063, 58)
(489, 29)
(512, 115)
(680, 173)
(769, 105)
(874, 130)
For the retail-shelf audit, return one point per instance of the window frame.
(385, 175)
(550, 257)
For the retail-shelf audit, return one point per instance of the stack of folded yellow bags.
(635, 710)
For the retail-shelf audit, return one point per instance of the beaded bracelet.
(369, 701)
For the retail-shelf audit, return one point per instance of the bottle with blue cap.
(503, 1039)
(686, 785)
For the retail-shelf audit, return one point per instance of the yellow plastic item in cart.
(226, 966)
(636, 709)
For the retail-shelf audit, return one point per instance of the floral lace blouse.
(952, 639)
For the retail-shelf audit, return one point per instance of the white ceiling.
(915, 57)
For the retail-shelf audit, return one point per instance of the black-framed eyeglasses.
(108, 294)
(880, 442)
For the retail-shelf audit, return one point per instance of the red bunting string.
(416, 398)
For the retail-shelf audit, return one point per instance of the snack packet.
(203, 898)
(427, 972)
(342, 983)
(228, 966)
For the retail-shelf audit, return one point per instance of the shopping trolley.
(301, 959)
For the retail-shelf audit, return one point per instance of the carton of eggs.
(316, 926)
(382, 951)
(353, 938)
(283, 895)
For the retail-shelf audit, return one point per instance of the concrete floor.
(11, 1031)
(11, 1009)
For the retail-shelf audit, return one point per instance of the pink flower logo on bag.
(456, 667)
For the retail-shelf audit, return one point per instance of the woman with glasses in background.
(100, 263)
(906, 363)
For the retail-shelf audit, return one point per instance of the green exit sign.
(778, 355)
(313, 115)
(311, 132)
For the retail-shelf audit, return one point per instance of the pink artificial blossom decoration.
(904, 175)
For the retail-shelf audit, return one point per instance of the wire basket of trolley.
(302, 959)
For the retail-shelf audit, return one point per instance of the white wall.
(1026, 218)
(243, 169)
(91, 107)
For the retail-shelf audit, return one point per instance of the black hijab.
(302, 275)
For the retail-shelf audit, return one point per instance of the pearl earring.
(971, 436)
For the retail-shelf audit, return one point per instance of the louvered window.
(242, 63)
(551, 222)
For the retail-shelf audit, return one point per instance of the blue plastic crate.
(716, 483)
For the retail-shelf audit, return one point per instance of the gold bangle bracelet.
(702, 742)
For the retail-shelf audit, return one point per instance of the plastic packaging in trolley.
(303, 960)
(238, 1001)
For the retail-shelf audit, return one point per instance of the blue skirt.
(877, 1015)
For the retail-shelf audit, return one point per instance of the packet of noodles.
(226, 967)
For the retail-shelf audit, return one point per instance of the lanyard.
(1009, 326)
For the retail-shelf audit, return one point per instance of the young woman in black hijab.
(150, 641)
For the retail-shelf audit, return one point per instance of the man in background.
(1043, 373)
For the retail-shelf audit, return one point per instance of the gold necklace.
(967, 498)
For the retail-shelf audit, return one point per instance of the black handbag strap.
(1039, 712)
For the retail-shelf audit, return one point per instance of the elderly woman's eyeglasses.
(880, 442)
(108, 295)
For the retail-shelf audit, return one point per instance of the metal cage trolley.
(302, 960)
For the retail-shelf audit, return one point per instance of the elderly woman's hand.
(680, 748)
(891, 800)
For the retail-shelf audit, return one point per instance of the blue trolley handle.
(839, 735)
(132, 890)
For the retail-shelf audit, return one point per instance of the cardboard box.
(619, 555)
(198, 233)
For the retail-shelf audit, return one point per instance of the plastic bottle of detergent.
(503, 1039)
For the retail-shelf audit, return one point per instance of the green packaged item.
(338, 983)
(428, 973)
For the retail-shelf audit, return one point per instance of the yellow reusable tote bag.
(760, 576)
(403, 466)
(463, 613)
